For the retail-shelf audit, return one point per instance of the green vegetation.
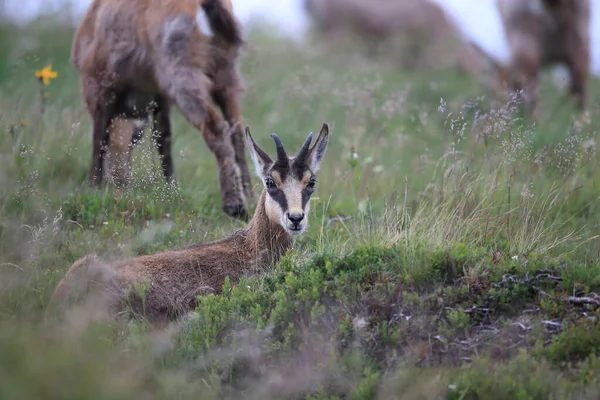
(453, 249)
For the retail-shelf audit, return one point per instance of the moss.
(367, 387)
(582, 277)
(449, 264)
(455, 323)
(523, 378)
(574, 344)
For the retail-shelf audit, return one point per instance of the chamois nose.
(295, 218)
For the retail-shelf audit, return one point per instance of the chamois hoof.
(236, 211)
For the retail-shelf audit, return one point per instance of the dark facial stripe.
(299, 169)
(305, 197)
(279, 197)
(295, 169)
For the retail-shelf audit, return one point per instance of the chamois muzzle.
(296, 220)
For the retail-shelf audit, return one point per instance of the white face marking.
(291, 189)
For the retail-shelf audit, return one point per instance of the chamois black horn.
(301, 156)
(282, 157)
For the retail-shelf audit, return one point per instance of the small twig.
(522, 326)
(583, 300)
(552, 324)
(475, 308)
(549, 276)
(440, 339)
(516, 344)
(8, 264)
(337, 219)
(540, 291)
(590, 317)
(488, 329)
(75, 223)
(346, 308)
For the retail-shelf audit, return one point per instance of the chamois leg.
(100, 141)
(217, 135)
(181, 78)
(577, 59)
(527, 63)
(189, 95)
(99, 100)
(227, 101)
(118, 159)
(162, 136)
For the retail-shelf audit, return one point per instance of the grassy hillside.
(453, 249)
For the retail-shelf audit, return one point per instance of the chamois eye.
(311, 184)
(270, 183)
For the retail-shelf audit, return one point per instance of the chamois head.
(289, 181)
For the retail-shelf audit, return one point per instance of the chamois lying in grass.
(136, 57)
(165, 285)
(541, 33)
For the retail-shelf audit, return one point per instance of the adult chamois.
(541, 33)
(418, 33)
(165, 285)
(137, 57)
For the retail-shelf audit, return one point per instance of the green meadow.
(453, 248)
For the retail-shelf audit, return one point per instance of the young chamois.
(137, 57)
(171, 280)
(541, 33)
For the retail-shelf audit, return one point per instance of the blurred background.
(477, 20)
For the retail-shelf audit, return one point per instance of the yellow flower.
(23, 123)
(46, 74)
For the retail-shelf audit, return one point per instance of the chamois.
(174, 278)
(541, 33)
(137, 57)
(427, 36)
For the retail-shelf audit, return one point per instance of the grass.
(449, 242)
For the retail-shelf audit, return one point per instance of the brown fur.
(542, 33)
(137, 57)
(432, 40)
(173, 279)
(169, 281)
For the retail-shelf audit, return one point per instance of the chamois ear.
(317, 152)
(261, 159)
